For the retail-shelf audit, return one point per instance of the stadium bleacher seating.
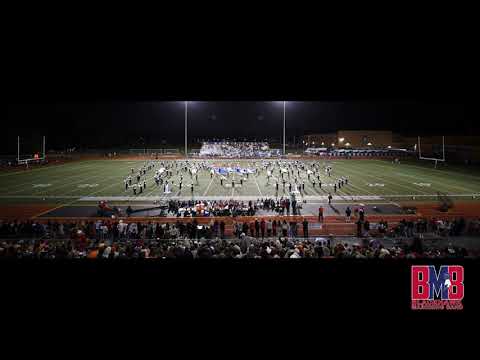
(233, 149)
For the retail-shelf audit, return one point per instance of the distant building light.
(347, 144)
(389, 147)
(369, 144)
(323, 143)
(333, 144)
(341, 139)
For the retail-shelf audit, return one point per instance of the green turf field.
(370, 179)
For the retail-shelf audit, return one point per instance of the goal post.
(431, 156)
(34, 153)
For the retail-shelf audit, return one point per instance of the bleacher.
(234, 149)
(357, 152)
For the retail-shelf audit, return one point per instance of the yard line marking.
(436, 177)
(45, 168)
(85, 179)
(391, 182)
(394, 203)
(448, 172)
(309, 198)
(258, 187)
(208, 187)
(107, 179)
(95, 170)
(39, 177)
(76, 199)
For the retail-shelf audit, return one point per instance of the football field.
(368, 180)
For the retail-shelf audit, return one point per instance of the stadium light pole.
(186, 128)
(284, 121)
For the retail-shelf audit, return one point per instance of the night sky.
(105, 124)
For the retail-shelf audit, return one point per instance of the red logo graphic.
(442, 290)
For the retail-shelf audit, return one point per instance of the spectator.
(305, 228)
(348, 213)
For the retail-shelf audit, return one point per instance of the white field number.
(422, 184)
(83, 186)
(41, 185)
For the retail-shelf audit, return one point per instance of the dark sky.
(123, 123)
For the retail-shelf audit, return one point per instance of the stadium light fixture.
(323, 143)
(186, 129)
(284, 125)
(341, 140)
(333, 144)
(347, 144)
(389, 147)
(369, 144)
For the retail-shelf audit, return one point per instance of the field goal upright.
(34, 153)
(432, 155)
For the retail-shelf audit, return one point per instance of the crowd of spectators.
(263, 227)
(234, 149)
(201, 208)
(110, 229)
(409, 228)
(243, 248)
(258, 238)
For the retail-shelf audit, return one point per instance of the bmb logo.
(442, 290)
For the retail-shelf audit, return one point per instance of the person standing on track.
(305, 228)
(320, 214)
(348, 213)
